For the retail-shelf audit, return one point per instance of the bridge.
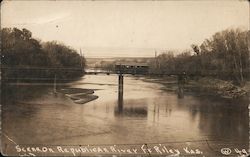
(121, 69)
(132, 68)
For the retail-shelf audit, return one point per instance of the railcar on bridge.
(132, 68)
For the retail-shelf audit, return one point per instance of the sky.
(125, 28)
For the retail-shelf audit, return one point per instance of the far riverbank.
(205, 86)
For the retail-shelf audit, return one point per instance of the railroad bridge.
(131, 68)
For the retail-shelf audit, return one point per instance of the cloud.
(40, 20)
(51, 18)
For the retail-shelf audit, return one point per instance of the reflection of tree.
(19, 101)
(22, 93)
(227, 121)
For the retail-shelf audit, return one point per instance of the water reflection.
(225, 121)
(145, 114)
(131, 108)
(21, 93)
(120, 93)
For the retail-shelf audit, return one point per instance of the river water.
(148, 115)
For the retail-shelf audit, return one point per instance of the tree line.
(25, 57)
(225, 55)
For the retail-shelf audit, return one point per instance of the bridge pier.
(55, 84)
(120, 93)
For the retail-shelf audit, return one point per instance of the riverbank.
(217, 87)
(205, 86)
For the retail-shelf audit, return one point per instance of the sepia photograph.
(113, 78)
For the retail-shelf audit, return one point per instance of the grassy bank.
(216, 87)
(205, 86)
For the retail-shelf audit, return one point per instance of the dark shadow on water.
(130, 108)
(132, 112)
(12, 93)
(15, 100)
(225, 119)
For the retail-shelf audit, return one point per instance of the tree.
(230, 53)
(196, 49)
(27, 57)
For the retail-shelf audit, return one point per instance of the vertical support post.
(120, 93)
(55, 84)
(81, 60)
(181, 81)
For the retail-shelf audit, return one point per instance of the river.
(148, 115)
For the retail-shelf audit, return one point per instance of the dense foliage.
(225, 55)
(25, 57)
